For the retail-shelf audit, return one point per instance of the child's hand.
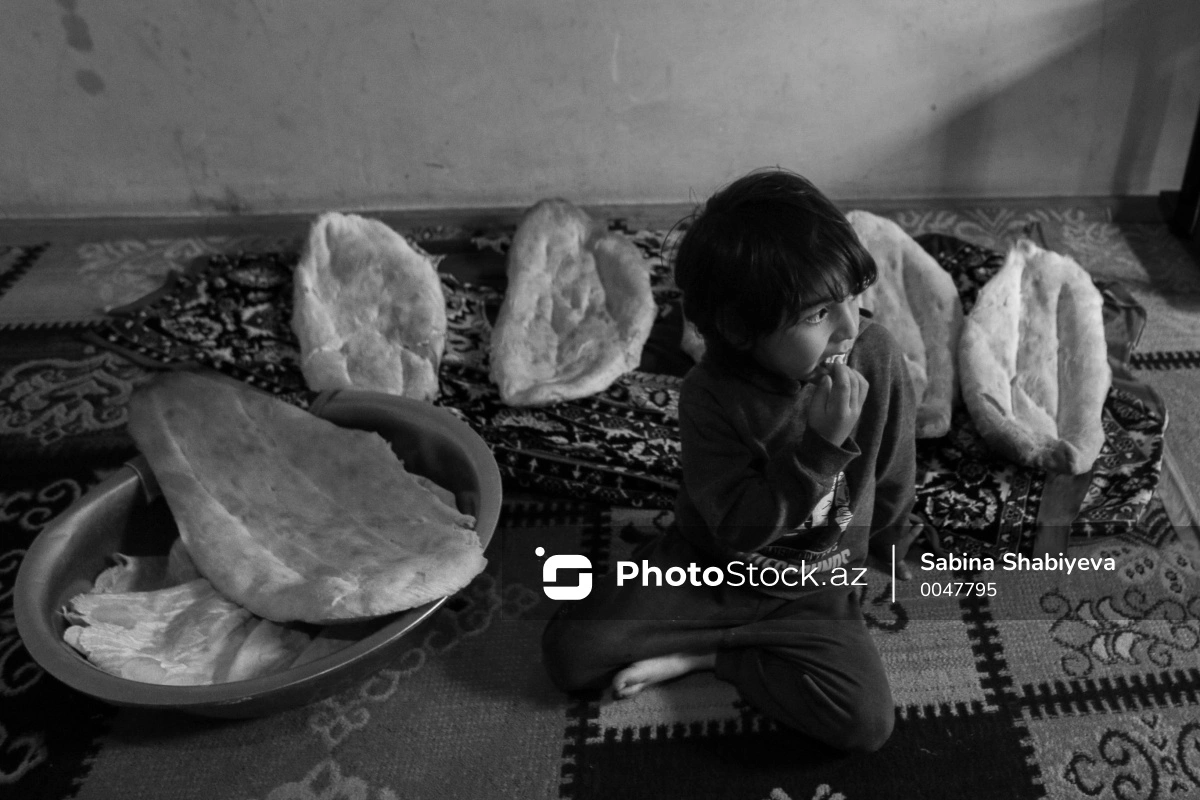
(837, 402)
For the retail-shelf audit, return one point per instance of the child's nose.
(848, 318)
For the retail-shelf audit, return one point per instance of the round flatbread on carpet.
(368, 310)
(577, 309)
(291, 516)
(1034, 363)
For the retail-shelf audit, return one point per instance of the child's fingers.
(842, 388)
(860, 390)
(820, 397)
(851, 390)
(847, 387)
(856, 388)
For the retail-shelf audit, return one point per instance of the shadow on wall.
(1168, 49)
(1144, 65)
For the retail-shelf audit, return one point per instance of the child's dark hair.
(759, 252)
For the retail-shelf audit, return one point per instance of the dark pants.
(809, 663)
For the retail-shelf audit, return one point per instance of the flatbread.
(577, 309)
(146, 620)
(1034, 363)
(369, 310)
(291, 516)
(184, 635)
(916, 300)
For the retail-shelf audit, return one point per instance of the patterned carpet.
(1049, 688)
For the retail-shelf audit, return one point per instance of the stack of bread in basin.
(290, 529)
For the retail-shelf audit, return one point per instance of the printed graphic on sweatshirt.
(816, 541)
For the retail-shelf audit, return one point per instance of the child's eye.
(817, 316)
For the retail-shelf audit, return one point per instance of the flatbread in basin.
(577, 309)
(1034, 363)
(292, 516)
(916, 300)
(368, 310)
(154, 619)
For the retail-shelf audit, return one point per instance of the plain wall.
(260, 106)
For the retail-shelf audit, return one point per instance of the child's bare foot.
(649, 671)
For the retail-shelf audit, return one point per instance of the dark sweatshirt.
(761, 488)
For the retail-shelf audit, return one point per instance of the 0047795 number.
(957, 589)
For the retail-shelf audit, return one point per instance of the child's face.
(825, 329)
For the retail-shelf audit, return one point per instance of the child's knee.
(855, 716)
(578, 654)
(867, 730)
(866, 717)
(557, 657)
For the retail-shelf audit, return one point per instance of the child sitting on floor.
(798, 455)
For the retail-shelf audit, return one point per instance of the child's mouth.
(825, 367)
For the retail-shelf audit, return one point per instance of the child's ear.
(734, 331)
